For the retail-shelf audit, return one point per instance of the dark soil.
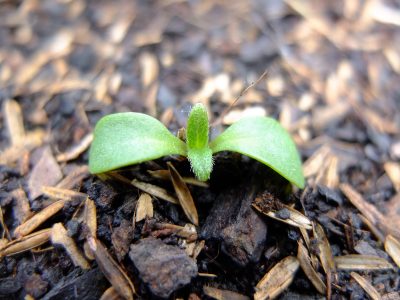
(332, 81)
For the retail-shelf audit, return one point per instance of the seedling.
(124, 139)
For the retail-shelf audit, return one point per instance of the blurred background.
(332, 73)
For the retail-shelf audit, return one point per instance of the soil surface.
(327, 70)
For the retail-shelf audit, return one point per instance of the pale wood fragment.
(26, 243)
(59, 236)
(111, 270)
(361, 262)
(366, 285)
(14, 122)
(388, 225)
(312, 275)
(144, 208)
(392, 247)
(277, 279)
(184, 196)
(37, 219)
(219, 294)
(76, 150)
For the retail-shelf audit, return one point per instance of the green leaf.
(265, 140)
(199, 153)
(129, 138)
(197, 127)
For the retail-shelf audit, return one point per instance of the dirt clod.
(103, 194)
(237, 225)
(162, 267)
(121, 239)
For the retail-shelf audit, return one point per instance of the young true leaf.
(129, 138)
(199, 153)
(265, 140)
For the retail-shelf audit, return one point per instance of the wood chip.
(374, 230)
(111, 294)
(312, 275)
(26, 243)
(46, 172)
(144, 208)
(361, 262)
(59, 236)
(40, 217)
(331, 176)
(21, 210)
(312, 165)
(392, 169)
(63, 194)
(62, 87)
(119, 29)
(3, 243)
(14, 122)
(384, 13)
(111, 270)
(235, 114)
(147, 37)
(366, 285)
(76, 150)
(388, 225)
(219, 294)
(198, 248)
(392, 247)
(101, 89)
(150, 98)
(4, 225)
(149, 67)
(207, 275)
(325, 252)
(184, 195)
(90, 219)
(154, 190)
(277, 279)
(325, 256)
(393, 58)
(392, 215)
(295, 218)
(90, 216)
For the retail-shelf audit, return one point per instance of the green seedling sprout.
(124, 139)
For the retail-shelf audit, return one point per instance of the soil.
(333, 69)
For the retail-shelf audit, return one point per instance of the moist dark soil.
(332, 81)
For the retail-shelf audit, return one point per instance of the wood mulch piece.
(331, 73)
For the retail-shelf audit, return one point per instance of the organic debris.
(162, 267)
(60, 237)
(184, 196)
(361, 262)
(277, 279)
